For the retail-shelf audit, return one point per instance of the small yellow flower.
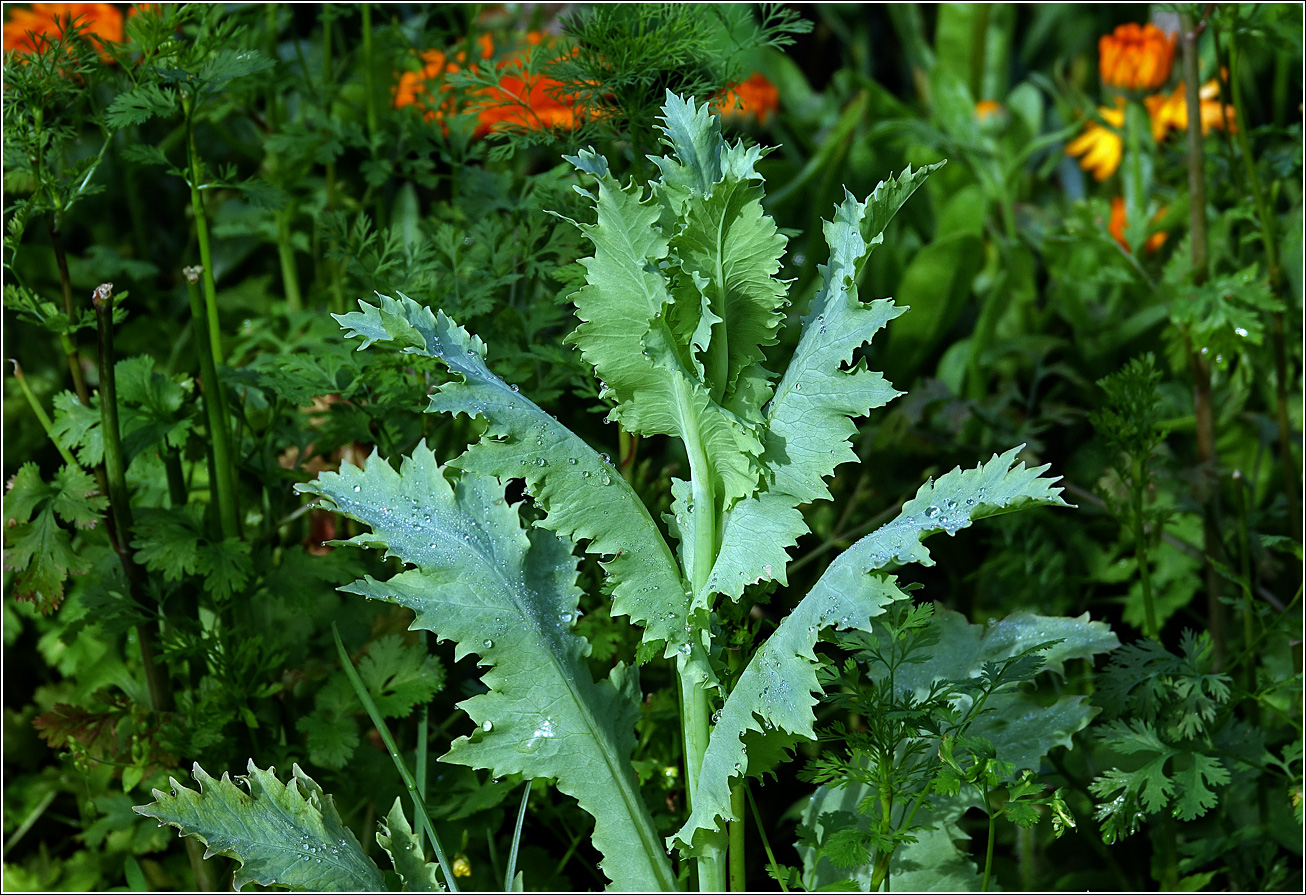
(1169, 111)
(1099, 148)
(462, 866)
(1136, 57)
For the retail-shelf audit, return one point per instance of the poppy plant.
(1136, 57)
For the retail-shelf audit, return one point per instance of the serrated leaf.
(808, 423)
(167, 540)
(331, 739)
(773, 696)
(226, 566)
(140, 104)
(583, 495)
(398, 677)
(37, 549)
(952, 503)
(226, 65)
(755, 536)
(145, 154)
(1196, 784)
(77, 428)
(627, 336)
(396, 836)
(728, 243)
(510, 597)
(282, 834)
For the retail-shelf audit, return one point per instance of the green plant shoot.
(680, 303)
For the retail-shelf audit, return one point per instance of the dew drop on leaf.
(541, 462)
(571, 461)
(488, 644)
(514, 387)
(606, 480)
(358, 488)
(487, 726)
(931, 511)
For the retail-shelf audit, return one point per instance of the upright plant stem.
(516, 840)
(692, 664)
(286, 255)
(369, 99)
(115, 470)
(66, 288)
(334, 275)
(1140, 549)
(221, 477)
(988, 851)
(41, 415)
(738, 877)
(423, 818)
(1200, 369)
(206, 323)
(1275, 271)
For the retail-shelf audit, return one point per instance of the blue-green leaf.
(282, 834)
(584, 496)
(483, 582)
(396, 836)
(773, 697)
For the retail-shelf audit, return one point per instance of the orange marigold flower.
(755, 98)
(1136, 57)
(529, 100)
(522, 98)
(1099, 148)
(1169, 111)
(28, 30)
(1117, 227)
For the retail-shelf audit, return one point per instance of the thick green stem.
(221, 467)
(692, 669)
(202, 235)
(738, 878)
(120, 513)
(692, 664)
(880, 866)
